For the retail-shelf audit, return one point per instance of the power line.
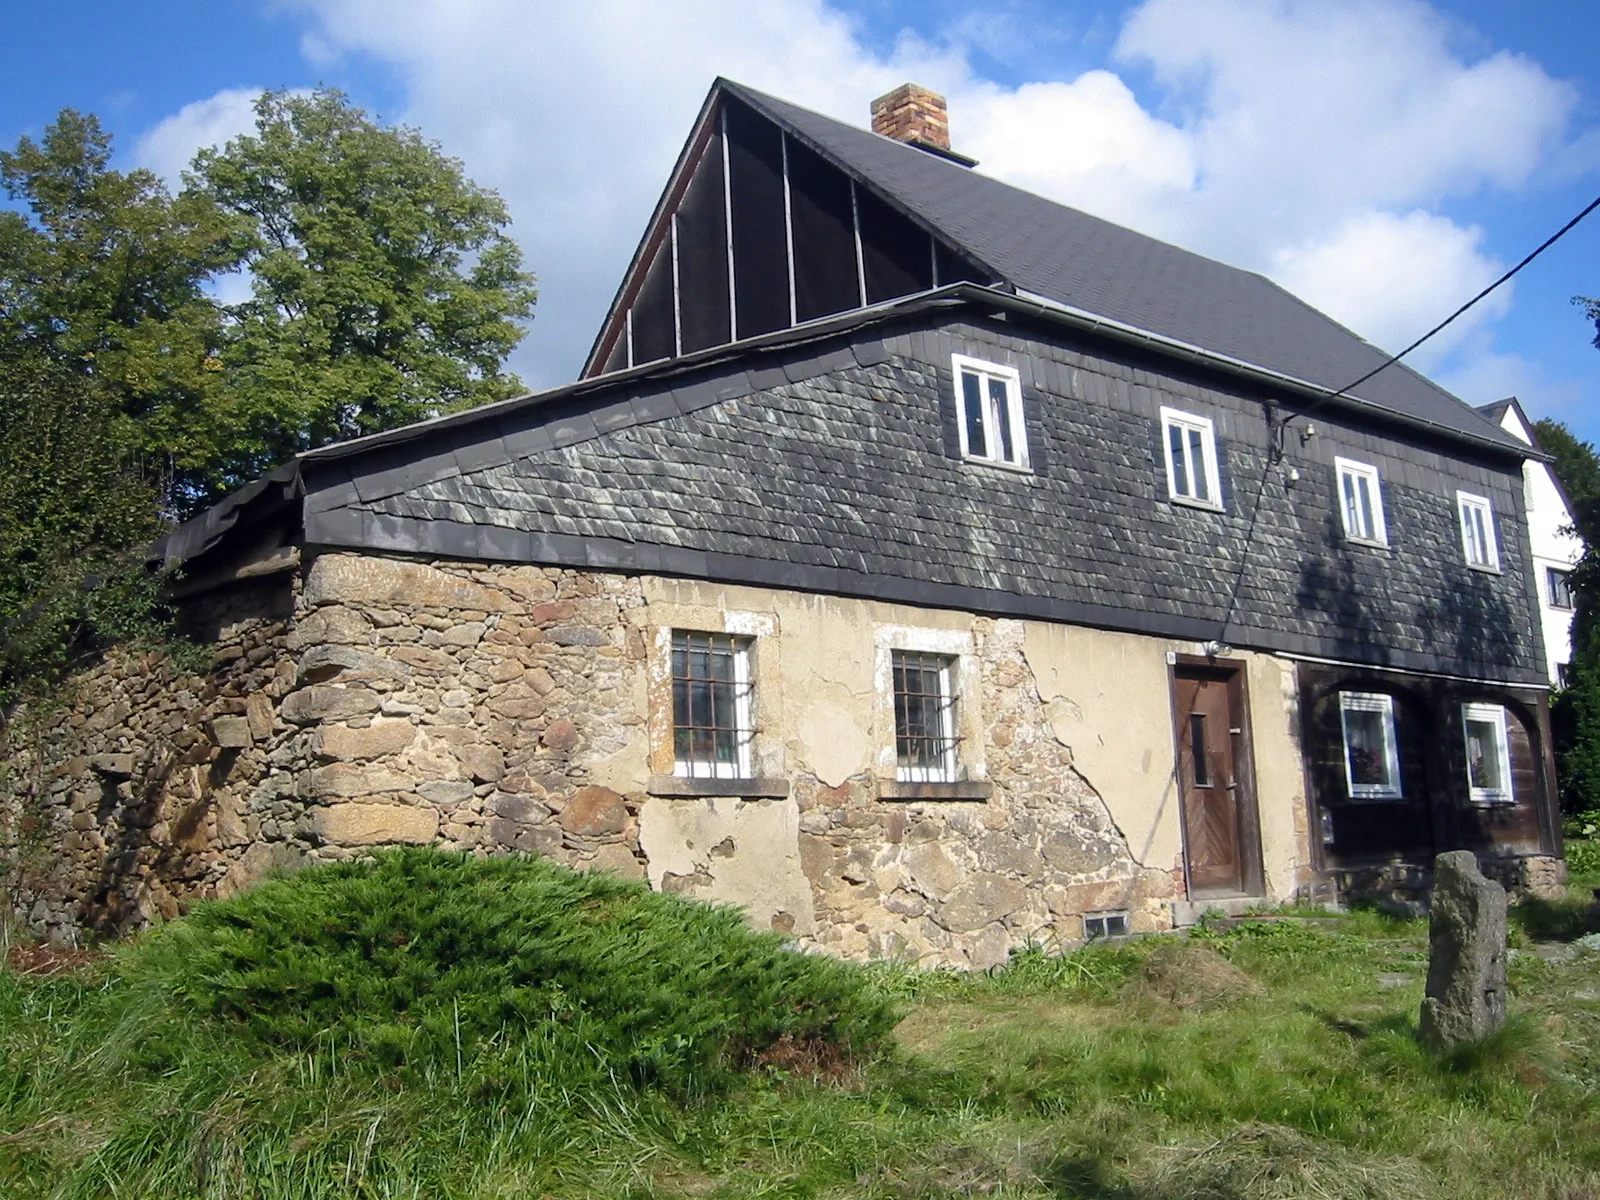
(1440, 327)
(1275, 448)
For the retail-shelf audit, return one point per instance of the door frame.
(1252, 874)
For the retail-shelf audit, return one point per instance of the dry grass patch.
(1190, 976)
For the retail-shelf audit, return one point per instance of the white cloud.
(1086, 143)
(168, 148)
(1396, 277)
(1315, 107)
(575, 113)
(1309, 140)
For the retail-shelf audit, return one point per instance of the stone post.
(1466, 954)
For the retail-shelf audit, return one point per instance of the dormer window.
(1191, 450)
(989, 397)
(1361, 502)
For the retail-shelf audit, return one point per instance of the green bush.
(1583, 856)
(420, 959)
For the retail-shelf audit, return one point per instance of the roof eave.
(1086, 321)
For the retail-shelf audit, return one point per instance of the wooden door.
(1210, 741)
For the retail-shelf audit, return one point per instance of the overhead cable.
(1255, 511)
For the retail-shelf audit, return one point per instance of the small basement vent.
(1097, 926)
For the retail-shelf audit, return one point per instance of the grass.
(1269, 1061)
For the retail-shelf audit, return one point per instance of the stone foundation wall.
(138, 792)
(496, 709)
(1407, 886)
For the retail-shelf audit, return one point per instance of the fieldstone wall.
(138, 791)
(368, 701)
(462, 704)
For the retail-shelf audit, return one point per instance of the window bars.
(711, 710)
(924, 717)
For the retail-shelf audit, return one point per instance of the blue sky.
(1383, 158)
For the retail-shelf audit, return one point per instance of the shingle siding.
(838, 476)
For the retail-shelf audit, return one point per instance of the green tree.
(1591, 309)
(1575, 711)
(103, 277)
(74, 510)
(385, 288)
(109, 387)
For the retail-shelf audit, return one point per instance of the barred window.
(924, 717)
(711, 688)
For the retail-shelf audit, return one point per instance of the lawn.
(1273, 1059)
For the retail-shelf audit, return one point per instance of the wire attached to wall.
(1279, 427)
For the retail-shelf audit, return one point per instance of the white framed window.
(925, 738)
(1488, 753)
(1477, 532)
(1371, 754)
(990, 399)
(1558, 585)
(1361, 502)
(1191, 450)
(711, 710)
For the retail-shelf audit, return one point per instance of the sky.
(1383, 159)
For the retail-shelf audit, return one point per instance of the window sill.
(1202, 505)
(1485, 569)
(998, 464)
(960, 789)
(747, 788)
(1365, 543)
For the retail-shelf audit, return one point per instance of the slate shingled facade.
(832, 467)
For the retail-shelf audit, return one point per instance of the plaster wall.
(1108, 697)
(1553, 544)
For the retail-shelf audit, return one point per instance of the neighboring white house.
(1556, 549)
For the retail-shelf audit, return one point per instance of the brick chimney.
(911, 113)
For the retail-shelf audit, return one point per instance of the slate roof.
(1090, 264)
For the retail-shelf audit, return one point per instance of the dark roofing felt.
(1091, 264)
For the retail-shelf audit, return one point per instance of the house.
(923, 565)
(1552, 537)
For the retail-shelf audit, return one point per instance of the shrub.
(1583, 856)
(417, 959)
